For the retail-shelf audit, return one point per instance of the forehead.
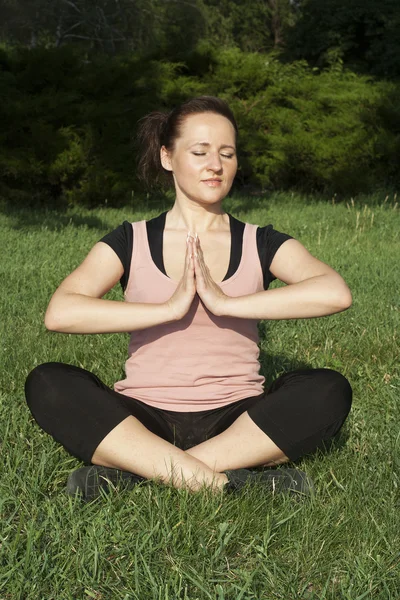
(206, 127)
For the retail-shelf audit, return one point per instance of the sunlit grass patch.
(167, 544)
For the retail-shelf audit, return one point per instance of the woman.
(192, 410)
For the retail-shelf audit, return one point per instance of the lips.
(213, 183)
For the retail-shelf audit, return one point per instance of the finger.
(199, 258)
(190, 259)
(188, 243)
(200, 272)
(195, 246)
(199, 251)
(188, 252)
(201, 262)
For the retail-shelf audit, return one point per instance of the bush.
(68, 123)
(307, 129)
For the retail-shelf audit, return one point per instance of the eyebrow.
(207, 144)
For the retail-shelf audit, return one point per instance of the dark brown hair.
(162, 129)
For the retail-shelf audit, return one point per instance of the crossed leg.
(75, 407)
(242, 445)
(132, 447)
(302, 409)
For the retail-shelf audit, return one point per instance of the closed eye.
(203, 153)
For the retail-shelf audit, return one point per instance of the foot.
(291, 481)
(88, 481)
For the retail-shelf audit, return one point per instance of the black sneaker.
(89, 480)
(291, 481)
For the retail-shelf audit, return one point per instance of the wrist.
(226, 308)
(169, 312)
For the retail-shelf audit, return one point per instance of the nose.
(214, 162)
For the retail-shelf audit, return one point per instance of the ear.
(165, 159)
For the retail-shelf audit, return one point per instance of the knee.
(338, 393)
(41, 375)
(38, 383)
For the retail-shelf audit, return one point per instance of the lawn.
(160, 543)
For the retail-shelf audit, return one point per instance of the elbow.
(56, 315)
(52, 322)
(49, 322)
(61, 317)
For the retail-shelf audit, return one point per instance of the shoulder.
(119, 234)
(120, 240)
(270, 239)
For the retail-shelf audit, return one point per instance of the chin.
(214, 194)
(207, 196)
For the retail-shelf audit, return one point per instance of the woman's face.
(203, 162)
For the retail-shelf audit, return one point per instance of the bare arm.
(77, 305)
(314, 289)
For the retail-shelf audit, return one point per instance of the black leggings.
(300, 411)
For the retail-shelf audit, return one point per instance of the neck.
(196, 219)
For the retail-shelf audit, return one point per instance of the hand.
(210, 293)
(181, 300)
(196, 277)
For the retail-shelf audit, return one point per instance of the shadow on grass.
(57, 217)
(52, 219)
(273, 365)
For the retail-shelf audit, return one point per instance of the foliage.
(68, 124)
(259, 26)
(364, 34)
(105, 26)
(311, 130)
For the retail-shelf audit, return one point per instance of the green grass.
(160, 543)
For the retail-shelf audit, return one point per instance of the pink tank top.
(201, 362)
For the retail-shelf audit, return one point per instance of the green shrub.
(69, 123)
(310, 130)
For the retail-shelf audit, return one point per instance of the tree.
(363, 34)
(257, 26)
(110, 26)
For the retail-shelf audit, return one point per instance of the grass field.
(160, 543)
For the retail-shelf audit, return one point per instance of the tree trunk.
(276, 24)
